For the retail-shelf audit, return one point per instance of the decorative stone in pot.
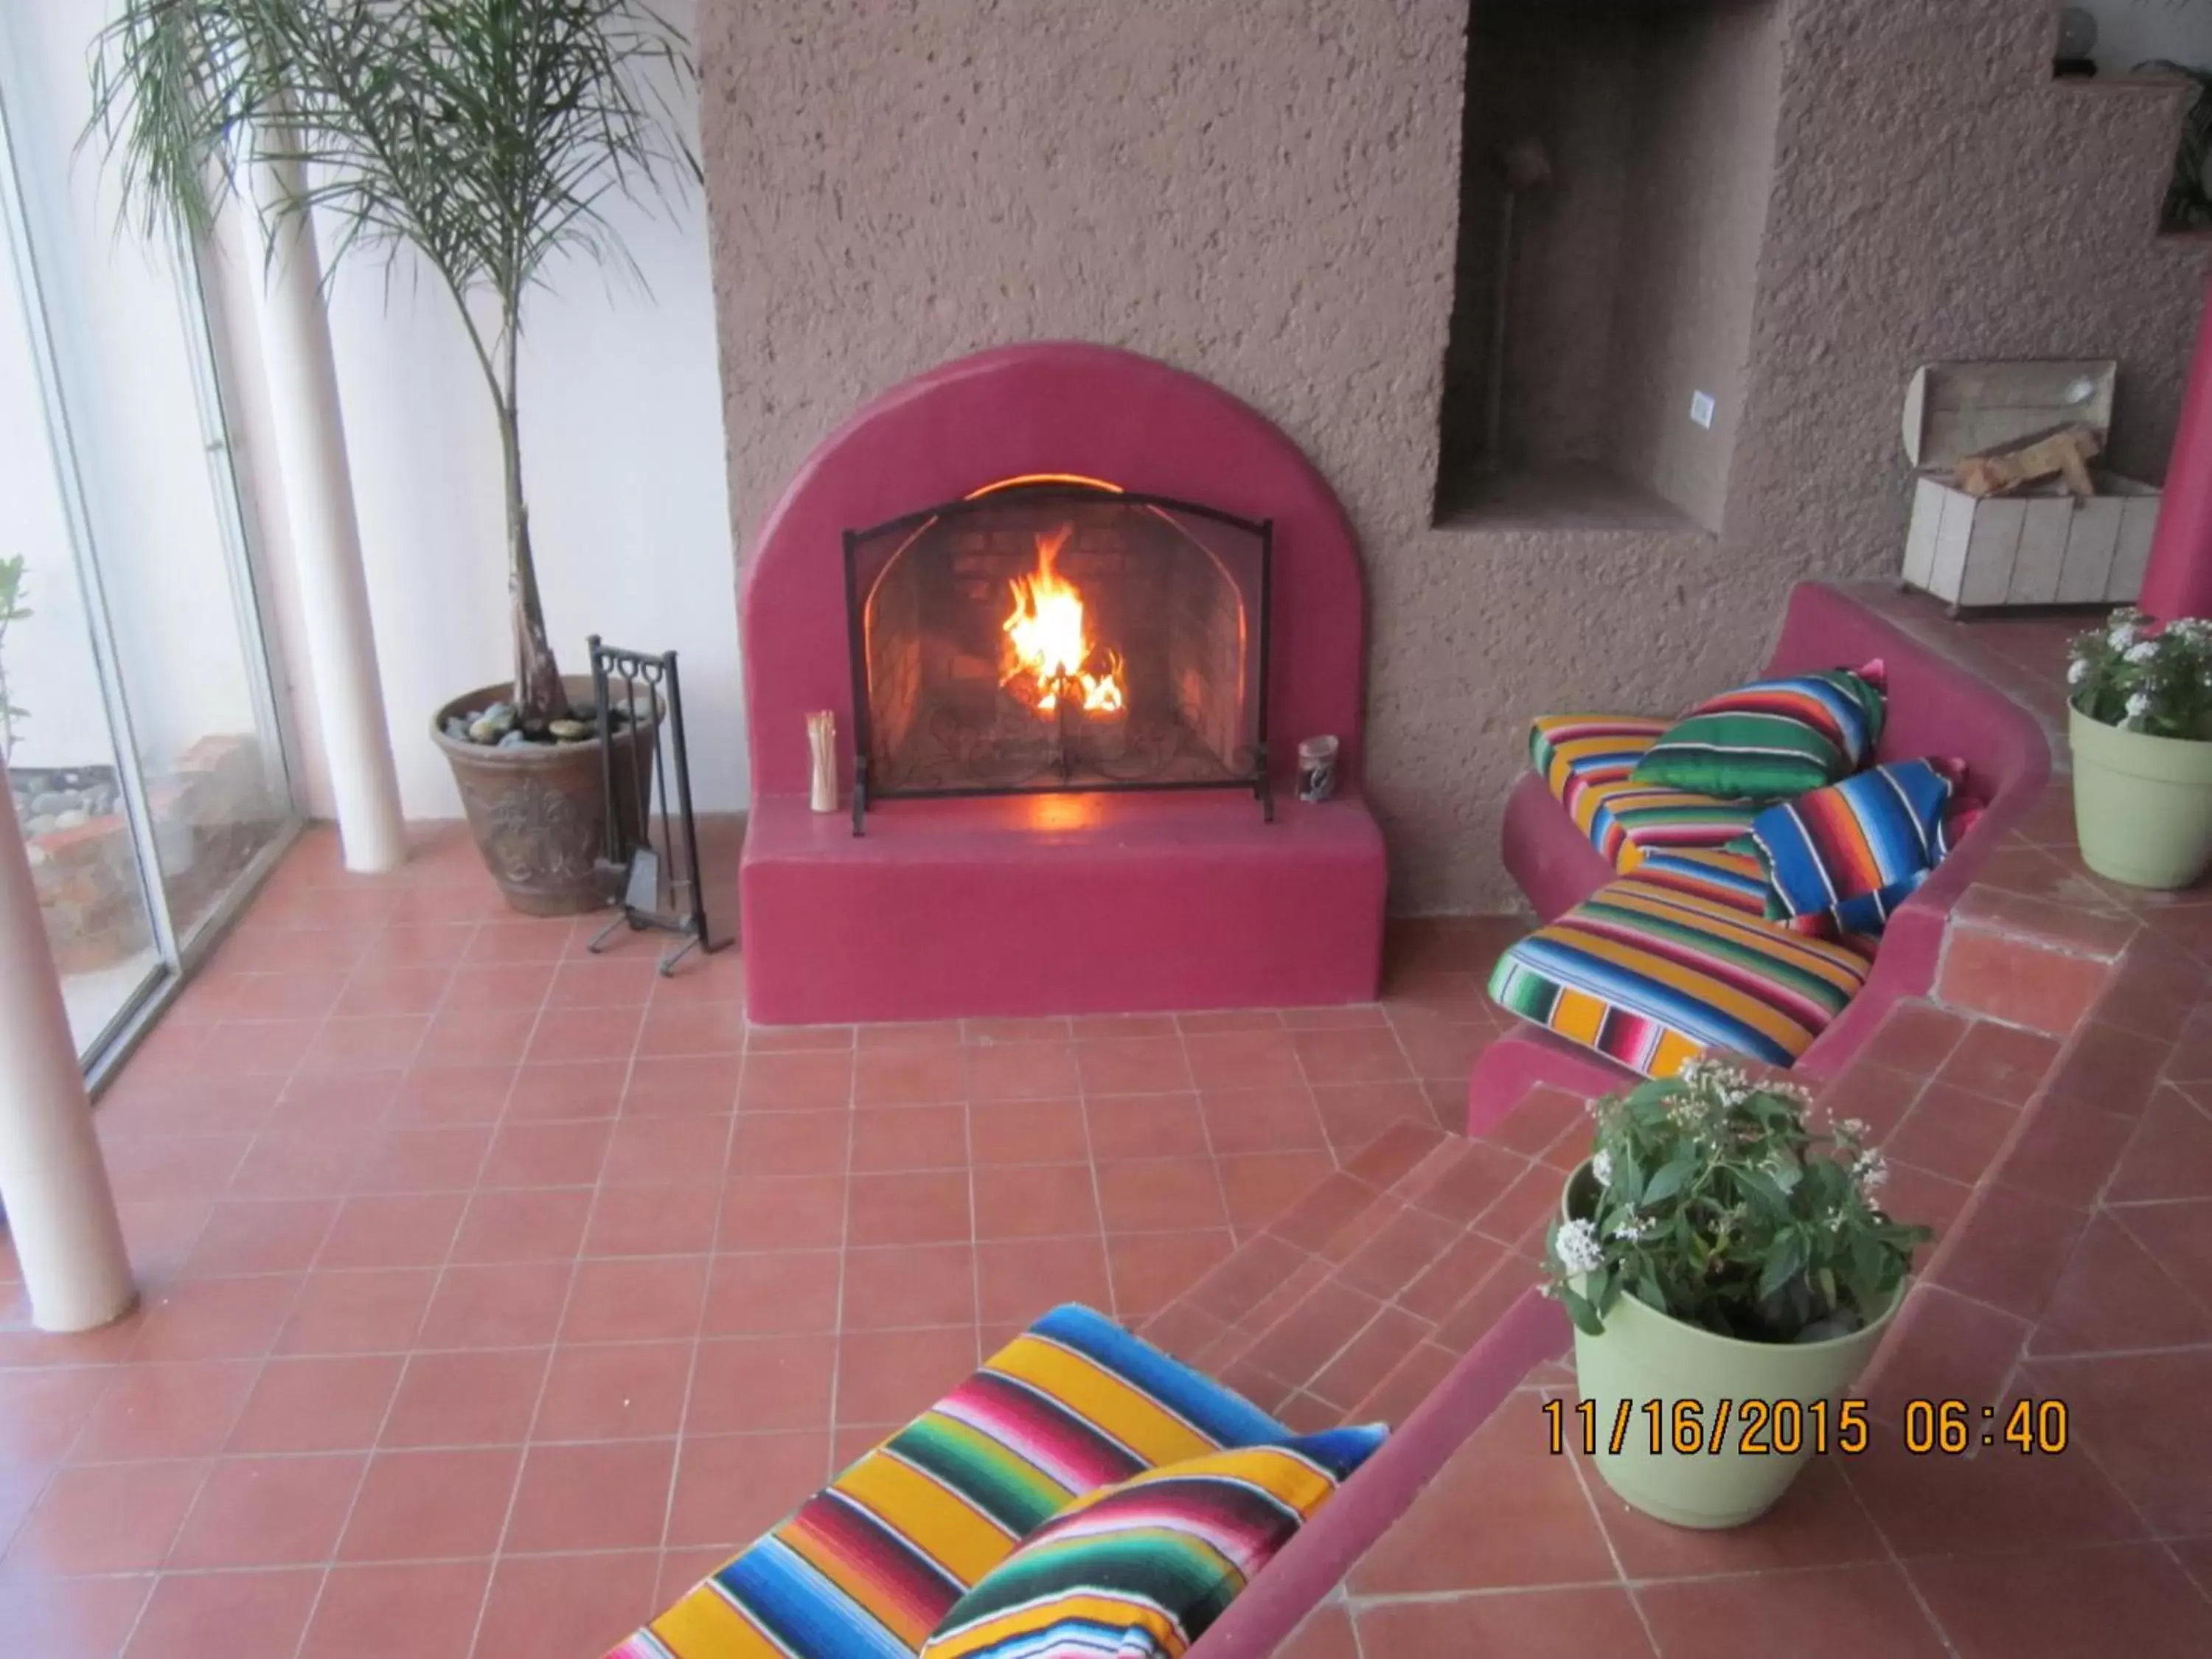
(1729, 1277)
(2139, 716)
(538, 810)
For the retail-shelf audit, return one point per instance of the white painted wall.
(2130, 32)
(621, 411)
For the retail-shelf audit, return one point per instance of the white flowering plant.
(2140, 676)
(1713, 1200)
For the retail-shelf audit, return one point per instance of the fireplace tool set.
(651, 856)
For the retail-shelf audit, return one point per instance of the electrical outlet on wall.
(1702, 408)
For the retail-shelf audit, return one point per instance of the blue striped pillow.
(1856, 849)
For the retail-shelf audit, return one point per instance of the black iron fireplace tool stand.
(652, 858)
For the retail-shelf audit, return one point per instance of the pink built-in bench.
(1936, 707)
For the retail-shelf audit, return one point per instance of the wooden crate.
(2039, 546)
(2043, 547)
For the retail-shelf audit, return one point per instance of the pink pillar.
(2180, 580)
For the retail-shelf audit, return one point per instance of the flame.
(1049, 637)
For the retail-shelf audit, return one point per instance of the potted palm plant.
(487, 137)
(2140, 725)
(1729, 1274)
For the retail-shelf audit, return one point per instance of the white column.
(61, 1212)
(326, 535)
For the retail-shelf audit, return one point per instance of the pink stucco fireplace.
(1073, 610)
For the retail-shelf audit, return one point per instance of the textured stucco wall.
(1265, 194)
(1572, 86)
(1710, 97)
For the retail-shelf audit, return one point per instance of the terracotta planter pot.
(539, 810)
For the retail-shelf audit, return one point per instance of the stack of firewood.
(2060, 451)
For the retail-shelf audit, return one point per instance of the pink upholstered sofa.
(1935, 708)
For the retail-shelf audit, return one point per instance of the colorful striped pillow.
(1731, 875)
(1772, 738)
(867, 1567)
(1652, 977)
(1585, 761)
(1859, 849)
(1142, 1570)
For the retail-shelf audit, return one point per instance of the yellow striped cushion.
(866, 1568)
(1651, 977)
(1586, 760)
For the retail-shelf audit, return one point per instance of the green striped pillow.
(1773, 738)
(1141, 1570)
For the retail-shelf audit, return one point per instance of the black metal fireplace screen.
(1057, 636)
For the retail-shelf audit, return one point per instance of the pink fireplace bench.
(1935, 707)
(1047, 903)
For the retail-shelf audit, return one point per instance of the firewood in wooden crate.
(2059, 452)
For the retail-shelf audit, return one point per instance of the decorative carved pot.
(539, 810)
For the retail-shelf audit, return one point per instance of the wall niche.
(1617, 160)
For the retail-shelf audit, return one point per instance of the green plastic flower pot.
(1788, 1394)
(2142, 806)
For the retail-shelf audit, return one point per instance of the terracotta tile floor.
(494, 1292)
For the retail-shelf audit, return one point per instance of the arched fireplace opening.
(1055, 635)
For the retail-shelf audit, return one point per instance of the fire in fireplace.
(1056, 635)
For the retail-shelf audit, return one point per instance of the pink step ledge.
(1532, 1330)
(1057, 905)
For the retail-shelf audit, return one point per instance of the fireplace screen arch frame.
(1248, 771)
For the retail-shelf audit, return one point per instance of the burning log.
(1052, 667)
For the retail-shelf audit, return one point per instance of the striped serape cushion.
(1731, 875)
(1140, 1570)
(1652, 977)
(868, 1567)
(1872, 838)
(1586, 762)
(1772, 738)
(1734, 875)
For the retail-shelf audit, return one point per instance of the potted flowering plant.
(2140, 722)
(1729, 1274)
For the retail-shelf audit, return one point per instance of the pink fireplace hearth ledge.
(1054, 904)
(1092, 904)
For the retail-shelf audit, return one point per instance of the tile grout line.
(437, 1284)
(1098, 1205)
(568, 1298)
(353, 1500)
(844, 1249)
(705, 1290)
(1612, 1551)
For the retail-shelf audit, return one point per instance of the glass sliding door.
(147, 767)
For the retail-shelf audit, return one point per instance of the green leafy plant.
(1710, 1199)
(489, 136)
(2189, 192)
(2136, 674)
(12, 609)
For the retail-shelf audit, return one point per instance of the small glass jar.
(1317, 768)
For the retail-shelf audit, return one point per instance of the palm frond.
(489, 136)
